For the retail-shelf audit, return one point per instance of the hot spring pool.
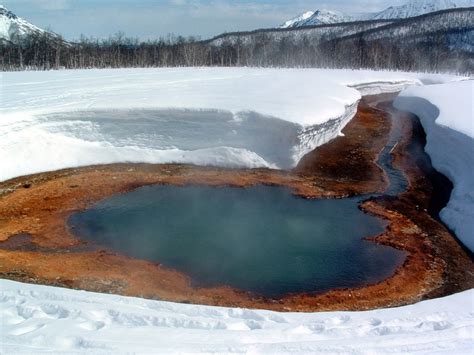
(260, 239)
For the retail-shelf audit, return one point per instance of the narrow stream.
(397, 180)
(441, 185)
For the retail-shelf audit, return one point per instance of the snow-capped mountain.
(411, 9)
(14, 28)
(319, 17)
(420, 7)
(296, 22)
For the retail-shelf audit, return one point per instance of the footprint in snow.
(316, 328)
(339, 320)
(55, 311)
(374, 322)
(26, 329)
(437, 326)
(381, 331)
(92, 325)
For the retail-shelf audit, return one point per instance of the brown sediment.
(34, 212)
(414, 203)
(347, 165)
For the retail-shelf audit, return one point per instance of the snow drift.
(447, 115)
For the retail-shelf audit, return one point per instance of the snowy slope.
(297, 35)
(264, 118)
(447, 114)
(420, 7)
(13, 28)
(411, 9)
(319, 17)
(40, 318)
(296, 22)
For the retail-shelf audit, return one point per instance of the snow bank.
(447, 115)
(264, 117)
(41, 318)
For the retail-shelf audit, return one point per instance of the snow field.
(268, 117)
(40, 318)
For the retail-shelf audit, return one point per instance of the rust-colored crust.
(38, 207)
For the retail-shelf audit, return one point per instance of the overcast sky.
(149, 19)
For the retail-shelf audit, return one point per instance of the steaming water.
(260, 239)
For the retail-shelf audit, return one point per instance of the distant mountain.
(13, 28)
(420, 7)
(319, 17)
(411, 9)
(297, 21)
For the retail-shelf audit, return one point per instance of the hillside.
(415, 8)
(412, 8)
(435, 41)
(14, 28)
(308, 33)
(318, 17)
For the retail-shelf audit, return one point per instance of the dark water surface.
(261, 239)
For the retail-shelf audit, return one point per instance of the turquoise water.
(260, 239)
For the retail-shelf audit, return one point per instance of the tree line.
(42, 51)
(433, 52)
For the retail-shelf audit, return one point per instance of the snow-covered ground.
(211, 116)
(40, 318)
(447, 115)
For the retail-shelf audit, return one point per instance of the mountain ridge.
(14, 28)
(318, 17)
(412, 8)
